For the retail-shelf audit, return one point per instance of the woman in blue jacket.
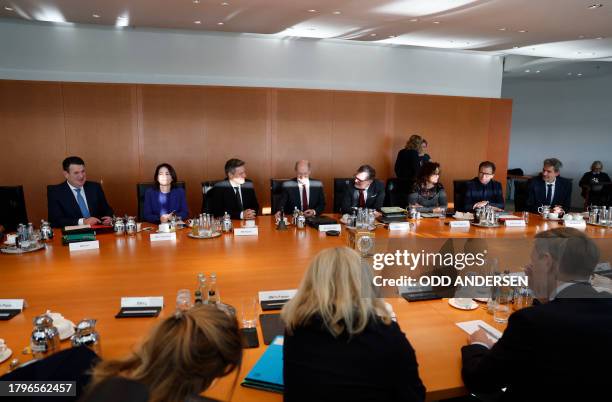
(165, 198)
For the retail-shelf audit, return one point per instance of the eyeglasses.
(358, 180)
(486, 174)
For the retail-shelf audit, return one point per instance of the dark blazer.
(475, 192)
(537, 193)
(291, 196)
(549, 352)
(374, 200)
(407, 164)
(379, 364)
(63, 209)
(223, 199)
(177, 202)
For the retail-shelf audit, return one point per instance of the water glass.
(248, 311)
(442, 213)
(183, 300)
(502, 308)
(523, 297)
(526, 216)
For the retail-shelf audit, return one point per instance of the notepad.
(267, 374)
(472, 326)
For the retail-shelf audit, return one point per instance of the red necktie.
(361, 199)
(304, 199)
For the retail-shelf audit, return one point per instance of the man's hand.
(91, 221)
(481, 204)
(165, 218)
(310, 212)
(377, 214)
(107, 220)
(558, 209)
(249, 214)
(480, 336)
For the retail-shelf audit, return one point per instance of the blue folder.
(267, 374)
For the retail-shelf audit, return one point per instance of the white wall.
(33, 51)
(569, 119)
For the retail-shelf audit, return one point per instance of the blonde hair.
(182, 355)
(415, 142)
(338, 289)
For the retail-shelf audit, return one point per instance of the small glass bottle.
(213, 292)
(227, 222)
(198, 298)
(296, 213)
(195, 228)
(203, 287)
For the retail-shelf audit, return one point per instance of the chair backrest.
(340, 184)
(396, 192)
(459, 190)
(12, 207)
(207, 195)
(521, 193)
(599, 194)
(276, 191)
(141, 189)
(516, 172)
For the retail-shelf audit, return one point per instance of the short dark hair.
(486, 164)
(427, 170)
(172, 173)
(369, 170)
(232, 164)
(72, 160)
(554, 162)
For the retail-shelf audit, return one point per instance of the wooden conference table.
(89, 284)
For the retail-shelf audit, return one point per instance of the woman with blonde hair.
(407, 165)
(181, 357)
(340, 341)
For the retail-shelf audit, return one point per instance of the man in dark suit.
(234, 195)
(302, 192)
(483, 190)
(77, 201)
(559, 348)
(366, 191)
(550, 189)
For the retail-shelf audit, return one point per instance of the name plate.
(162, 236)
(335, 226)
(11, 304)
(399, 226)
(575, 224)
(459, 224)
(276, 295)
(246, 231)
(515, 223)
(84, 245)
(153, 301)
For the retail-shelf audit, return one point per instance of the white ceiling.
(543, 30)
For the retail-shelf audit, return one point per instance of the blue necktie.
(82, 205)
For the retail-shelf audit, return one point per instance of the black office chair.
(141, 189)
(276, 191)
(396, 194)
(521, 193)
(118, 389)
(516, 172)
(207, 195)
(340, 185)
(459, 190)
(12, 207)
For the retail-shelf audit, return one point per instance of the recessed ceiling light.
(522, 30)
(537, 71)
(593, 6)
(391, 36)
(372, 34)
(225, 4)
(579, 74)
(312, 10)
(414, 20)
(436, 22)
(581, 37)
(196, 1)
(220, 23)
(197, 22)
(7, 8)
(599, 38)
(527, 71)
(515, 47)
(337, 12)
(96, 15)
(501, 29)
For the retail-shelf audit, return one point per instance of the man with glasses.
(234, 195)
(366, 191)
(550, 189)
(483, 190)
(302, 192)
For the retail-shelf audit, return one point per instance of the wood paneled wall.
(124, 130)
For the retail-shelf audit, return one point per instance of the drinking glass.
(248, 311)
(183, 300)
(523, 297)
(526, 216)
(502, 308)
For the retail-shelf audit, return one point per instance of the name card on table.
(163, 236)
(84, 245)
(515, 223)
(575, 224)
(459, 224)
(399, 226)
(246, 231)
(334, 226)
(10, 308)
(152, 301)
(275, 299)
